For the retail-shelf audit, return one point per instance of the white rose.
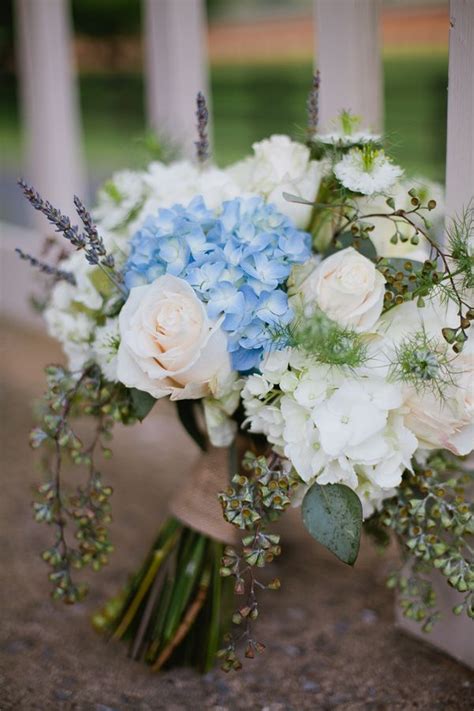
(347, 288)
(168, 345)
(281, 165)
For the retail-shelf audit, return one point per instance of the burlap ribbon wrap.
(196, 503)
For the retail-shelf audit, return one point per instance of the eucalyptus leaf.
(296, 198)
(333, 516)
(142, 403)
(346, 239)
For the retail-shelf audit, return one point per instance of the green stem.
(158, 558)
(184, 585)
(215, 622)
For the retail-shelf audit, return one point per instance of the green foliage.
(143, 403)
(84, 507)
(107, 17)
(324, 340)
(416, 596)
(250, 504)
(435, 525)
(358, 238)
(333, 516)
(187, 413)
(423, 362)
(461, 246)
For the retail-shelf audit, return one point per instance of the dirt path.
(331, 638)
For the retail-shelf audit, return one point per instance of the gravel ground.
(330, 633)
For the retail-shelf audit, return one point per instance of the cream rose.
(440, 420)
(347, 288)
(448, 423)
(168, 345)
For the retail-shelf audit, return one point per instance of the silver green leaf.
(333, 516)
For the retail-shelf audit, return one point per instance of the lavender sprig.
(312, 104)
(202, 115)
(97, 252)
(58, 274)
(89, 241)
(61, 222)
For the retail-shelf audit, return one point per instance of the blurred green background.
(250, 102)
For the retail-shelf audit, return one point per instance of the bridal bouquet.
(310, 318)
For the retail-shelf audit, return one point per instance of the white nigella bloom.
(367, 171)
(347, 133)
(106, 344)
(332, 425)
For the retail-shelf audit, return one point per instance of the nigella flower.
(237, 262)
(347, 133)
(367, 171)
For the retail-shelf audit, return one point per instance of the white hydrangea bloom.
(74, 331)
(106, 343)
(179, 182)
(69, 315)
(367, 171)
(120, 198)
(280, 165)
(332, 426)
(218, 411)
(384, 228)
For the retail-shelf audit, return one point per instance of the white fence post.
(49, 101)
(348, 57)
(452, 633)
(176, 68)
(460, 145)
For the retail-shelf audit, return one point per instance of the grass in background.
(250, 102)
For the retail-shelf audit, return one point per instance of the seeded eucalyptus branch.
(250, 504)
(405, 282)
(85, 507)
(435, 526)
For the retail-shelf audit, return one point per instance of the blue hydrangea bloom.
(237, 262)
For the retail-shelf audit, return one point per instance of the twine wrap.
(196, 503)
